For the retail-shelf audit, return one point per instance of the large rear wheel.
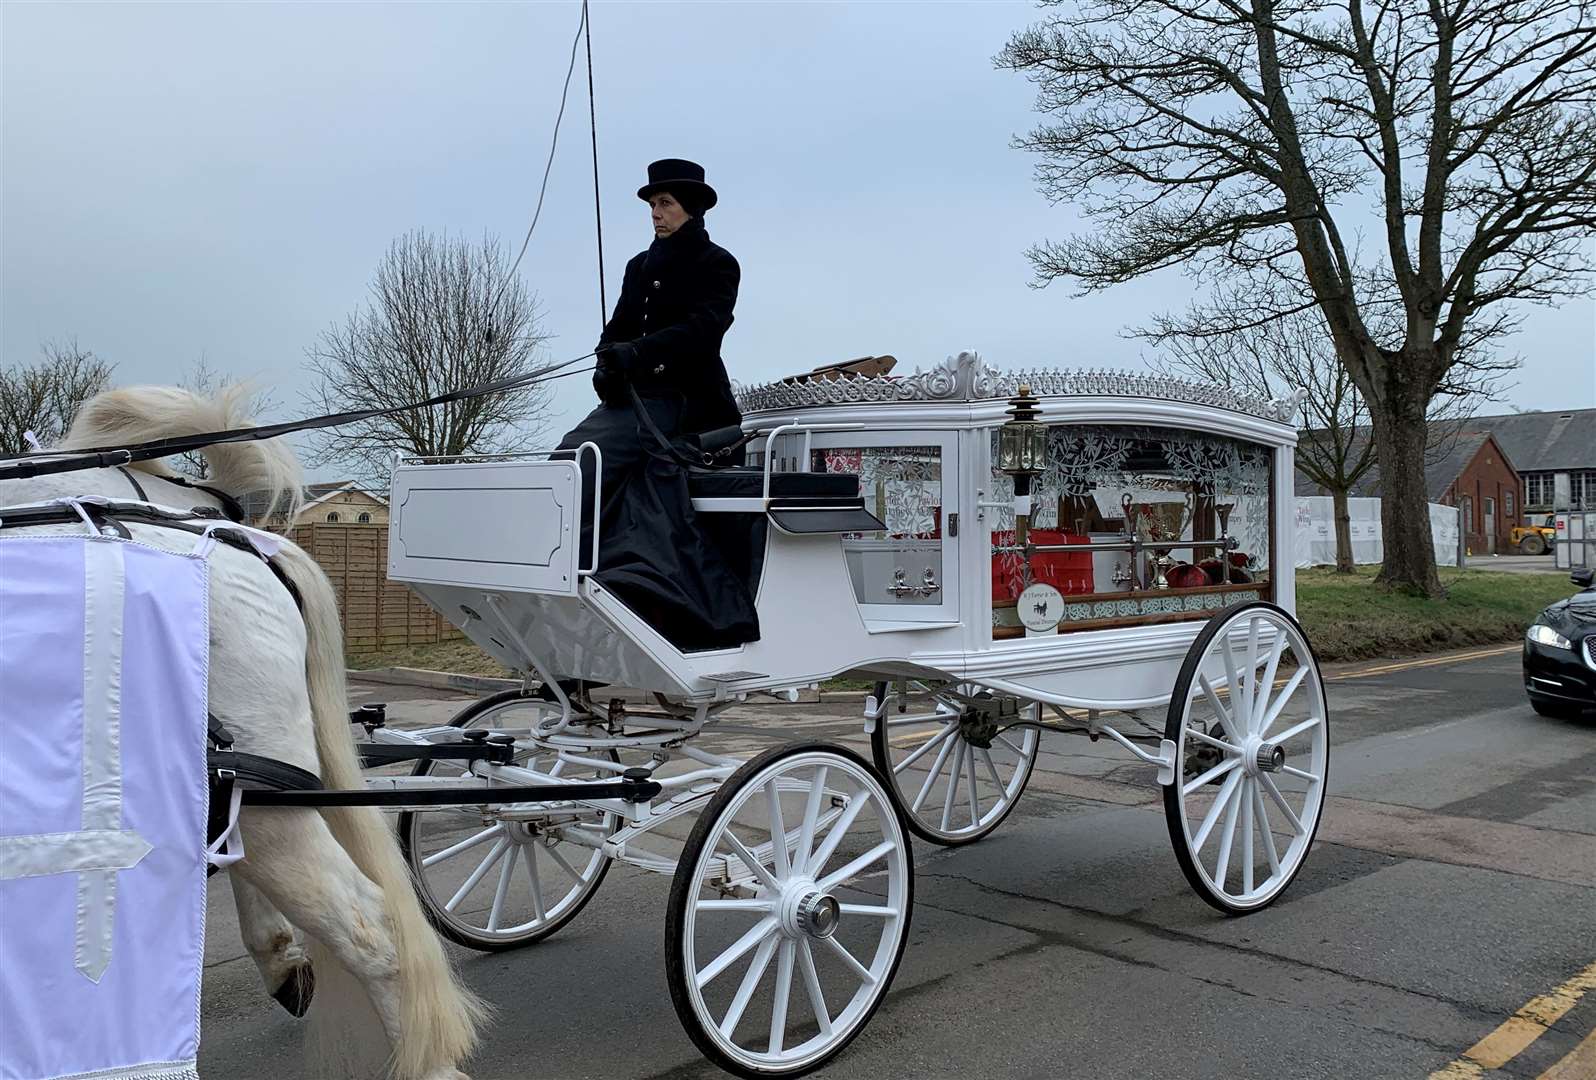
(1252, 749)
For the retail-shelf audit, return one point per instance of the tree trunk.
(1400, 435)
(1343, 518)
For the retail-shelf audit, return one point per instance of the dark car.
(1560, 654)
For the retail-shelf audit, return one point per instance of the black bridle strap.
(138, 488)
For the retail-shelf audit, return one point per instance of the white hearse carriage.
(1000, 553)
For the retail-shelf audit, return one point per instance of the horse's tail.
(439, 1016)
(135, 414)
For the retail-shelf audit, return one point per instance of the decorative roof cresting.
(966, 377)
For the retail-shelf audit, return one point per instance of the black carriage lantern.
(1022, 454)
(1022, 441)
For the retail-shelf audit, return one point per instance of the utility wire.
(547, 168)
(592, 121)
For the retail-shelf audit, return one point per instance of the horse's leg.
(292, 858)
(283, 963)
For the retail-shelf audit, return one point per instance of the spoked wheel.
(950, 766)
(492, 881)
(1252, 748)
(789, 911)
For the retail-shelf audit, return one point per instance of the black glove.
(609, 374)
(619, 357)
(610, 387)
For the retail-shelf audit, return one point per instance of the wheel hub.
(819, 914)
(1269, 757)
(977, 727)
(808, 911)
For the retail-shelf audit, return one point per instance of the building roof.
(254, 503)
(1441, 470)
(1448, 456)
(317, 493)
(1555, 441)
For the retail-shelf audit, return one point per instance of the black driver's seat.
(748, 482)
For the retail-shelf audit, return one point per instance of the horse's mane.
(267, 469)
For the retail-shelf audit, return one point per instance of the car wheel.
(1533, 544)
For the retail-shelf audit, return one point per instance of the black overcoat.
(675, 307)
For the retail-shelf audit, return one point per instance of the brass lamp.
(1022, 453)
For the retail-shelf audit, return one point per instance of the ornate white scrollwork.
(966, 377)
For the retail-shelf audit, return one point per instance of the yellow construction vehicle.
(1534, 539)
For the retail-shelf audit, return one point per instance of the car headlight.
(1541, 634)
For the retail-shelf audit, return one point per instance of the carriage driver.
(664, 337)
(661, 351)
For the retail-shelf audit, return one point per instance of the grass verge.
(1346, 617)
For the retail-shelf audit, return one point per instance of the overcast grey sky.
(222, 179)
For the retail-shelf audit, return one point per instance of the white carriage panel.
(1130, 667)
(1283, 572)
(810, 629)
(908, 573)
(574, 636)
(511, 525)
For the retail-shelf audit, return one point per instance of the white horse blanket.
(103, 665)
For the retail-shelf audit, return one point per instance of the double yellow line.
(1428, 661)
(1521, 1029)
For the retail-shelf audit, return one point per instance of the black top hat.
(674, 174)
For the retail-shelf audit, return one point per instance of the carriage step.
(733, 676)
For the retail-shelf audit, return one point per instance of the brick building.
(1554, 453)
(1467, 469)
(1477, 476)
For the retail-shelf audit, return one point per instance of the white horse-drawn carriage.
(1147, 569)
(1109, 557)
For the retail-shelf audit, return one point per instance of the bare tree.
(206, 381)
(1217, 341)
(44, 396)
(1260, 135)
(443, 315)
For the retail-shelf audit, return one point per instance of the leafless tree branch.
(44, 396)
(431, 326)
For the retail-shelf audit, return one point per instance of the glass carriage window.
(901, 485)
(1160, 524)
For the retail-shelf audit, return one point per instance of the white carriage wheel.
(491, 884)
(1250, 725)
(778, 952)
(954, 781)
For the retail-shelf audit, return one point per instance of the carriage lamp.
(1022, 453)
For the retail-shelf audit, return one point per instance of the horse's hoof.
(296, 990)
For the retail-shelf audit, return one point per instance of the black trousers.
(652, 552)
(625, 446)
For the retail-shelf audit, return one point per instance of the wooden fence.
(376, 612)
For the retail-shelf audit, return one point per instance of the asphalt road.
(1515, 564)
(1452, 886)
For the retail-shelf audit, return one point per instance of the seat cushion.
(748, 482)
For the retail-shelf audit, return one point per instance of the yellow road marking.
(1521, 1029)
(1580, 1064)
(1429, 661)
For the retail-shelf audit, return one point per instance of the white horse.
(277, 682)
